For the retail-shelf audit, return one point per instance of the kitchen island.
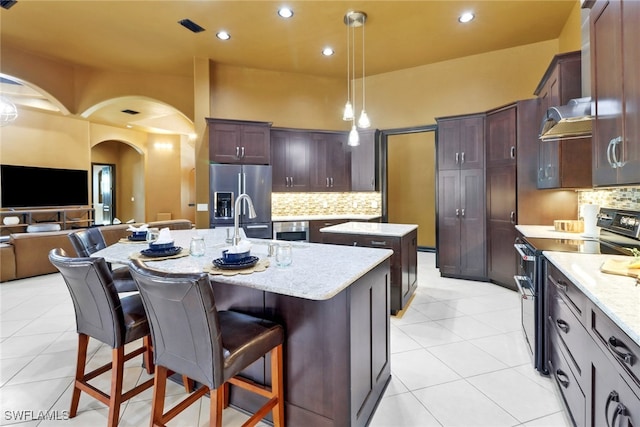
(333, 303)
(401, 238)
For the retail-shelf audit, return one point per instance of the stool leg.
(83, 343)
(148, 354)
(277, 385)
(117, 374)
(215, 408)
(159, 389)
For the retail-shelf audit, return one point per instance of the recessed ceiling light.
(466, 17)
(285, 12)
(223, 35)
(327, 51)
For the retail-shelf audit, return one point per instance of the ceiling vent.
(190, 25)
(132, 112)
(7, 4)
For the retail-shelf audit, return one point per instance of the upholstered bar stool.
(211, 347)
(101, 314)
(91, 240)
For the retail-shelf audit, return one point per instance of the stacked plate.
(138, 236)
(235, 261)
(161, 249)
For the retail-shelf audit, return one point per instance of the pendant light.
(352, 20)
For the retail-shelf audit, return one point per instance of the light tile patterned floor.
(458, 359)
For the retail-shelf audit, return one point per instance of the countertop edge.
(553, 257)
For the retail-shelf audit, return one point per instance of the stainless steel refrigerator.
(226, 183)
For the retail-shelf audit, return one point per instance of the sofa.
(27, 254)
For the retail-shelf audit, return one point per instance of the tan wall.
(570, 38)
(411, 183)
(163, 176)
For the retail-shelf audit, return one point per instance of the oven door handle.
(521, 289)
(520, 247)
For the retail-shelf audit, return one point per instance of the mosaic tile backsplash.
(301, 204)
(620, 198)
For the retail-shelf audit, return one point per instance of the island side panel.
(325, 384)
(370, 342)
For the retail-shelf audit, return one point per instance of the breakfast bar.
(333, 302)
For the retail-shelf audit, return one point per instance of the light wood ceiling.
(144, 35)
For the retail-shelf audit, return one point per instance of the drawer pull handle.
(563, 326)
(620, 410)
(562, 378)
(378, 243)
(613, 397)
(558, 284)
(627, 357)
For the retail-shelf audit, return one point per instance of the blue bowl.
(161, 246)
(234, 257)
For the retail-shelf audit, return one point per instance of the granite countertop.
(548, 232)
(617, 296)
(321, 217)
(318, 271)
(371, 228)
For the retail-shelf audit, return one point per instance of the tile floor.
(458, 359)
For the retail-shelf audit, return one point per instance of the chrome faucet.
(236, 216)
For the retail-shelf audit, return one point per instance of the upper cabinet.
(464, 147)
(615, 89)
(330, 162)
(363, 162)
(564, 163)
(290, 154)
(240, 142)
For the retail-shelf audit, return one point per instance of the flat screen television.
(29, 187)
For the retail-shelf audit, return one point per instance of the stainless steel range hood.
(567, 121)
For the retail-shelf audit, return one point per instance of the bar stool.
(193, 338)
(103, 315)
(91, 240)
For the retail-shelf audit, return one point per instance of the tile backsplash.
(301, 204)
(620, 198)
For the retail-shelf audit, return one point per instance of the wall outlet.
(325, 205)
(202, 207)
(355, 204)
(374, 204)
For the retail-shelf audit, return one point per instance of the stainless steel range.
(619, 233)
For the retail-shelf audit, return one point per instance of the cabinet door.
(330, 164)
(472, 143)
(255, 144)
(448, 245)
(501, 219)
(501, 137)
(472, 224)
(290, 161)
(606, 91)
(613, 401)
(548, 150)
(223, 143)
(363, 162)
(630, 173)
(448, 145)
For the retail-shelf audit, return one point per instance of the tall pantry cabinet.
(461, 207)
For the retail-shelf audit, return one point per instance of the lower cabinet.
(404, 261)
(591, 360)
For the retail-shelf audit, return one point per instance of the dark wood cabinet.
(235, 141)
(461, 231)
(461, 224)
(363, 162)
(290, 160)
(563, 163)
(315, 236)
(404, 261)
(330, 166)
(615, 90)
(590, 359)
(501, 142)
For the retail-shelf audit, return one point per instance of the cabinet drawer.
(571, 294)
(570, 332)
(570, 389)
(369, 241)
(616, 344)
